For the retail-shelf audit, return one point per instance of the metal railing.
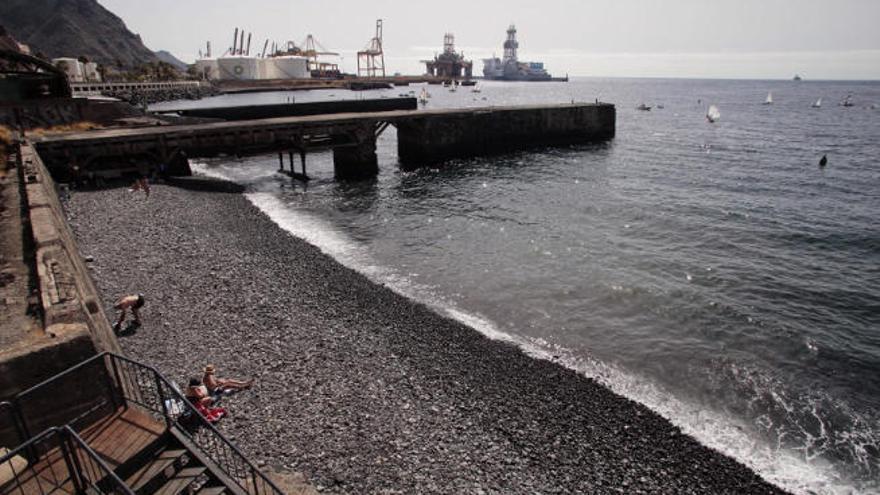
(116, 381)
(68, 465)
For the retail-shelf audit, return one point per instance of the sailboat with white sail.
(713, 114)
(423, 97)
(818, 103)
(769, 100)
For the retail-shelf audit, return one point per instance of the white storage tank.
(267, 68)
(238, 68)
(90, 72)
(72, 67)
(207, 68)
(291, 67)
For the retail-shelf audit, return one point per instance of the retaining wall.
(75, 326)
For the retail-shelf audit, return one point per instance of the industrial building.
(237, 64)
(77, 71)
(449, 64)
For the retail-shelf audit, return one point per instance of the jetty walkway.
(424, 137)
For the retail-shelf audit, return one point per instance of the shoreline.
(357, 386)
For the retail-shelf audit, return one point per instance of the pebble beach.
(357, 387)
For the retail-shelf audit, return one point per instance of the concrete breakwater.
(360, 388)
(253, 112)
(144, 93)
(424, 137)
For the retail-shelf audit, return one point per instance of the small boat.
(453, 87)
(660, 107)
(423, 97)
(847, 102)
(713, 114)
(769, 100)
(476, 88)
(644, 108)
(797, 77)
(818, 103)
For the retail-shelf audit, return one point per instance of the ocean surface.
(713, 272)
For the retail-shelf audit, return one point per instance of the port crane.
(311, 49)
(371, 60)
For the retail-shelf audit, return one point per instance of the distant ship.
(797, 77)
(510, 68)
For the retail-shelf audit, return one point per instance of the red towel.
(212, 414)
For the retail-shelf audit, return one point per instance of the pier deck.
(424, 137)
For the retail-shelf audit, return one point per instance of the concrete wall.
(74, 325)
(438, 137)
(51, 112)
(67, 292)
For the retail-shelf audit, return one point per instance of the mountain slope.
(168, 57)
(73, 28)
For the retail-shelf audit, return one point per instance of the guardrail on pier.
(97, 88)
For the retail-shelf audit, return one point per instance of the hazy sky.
(819, 39)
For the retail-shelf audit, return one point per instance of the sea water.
(713, 272)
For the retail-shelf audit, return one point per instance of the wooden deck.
(116, 439)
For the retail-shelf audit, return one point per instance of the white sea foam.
(786, 468)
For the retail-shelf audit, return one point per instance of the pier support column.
(178, 165)
(358, 161)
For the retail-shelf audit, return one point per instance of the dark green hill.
(74, 28)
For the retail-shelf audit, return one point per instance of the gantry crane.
(311, 51)
(371, 61)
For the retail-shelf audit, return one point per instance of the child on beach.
(219, 385)
(125, 303)
(141, 183)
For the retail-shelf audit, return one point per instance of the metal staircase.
(129, 431)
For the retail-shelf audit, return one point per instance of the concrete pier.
(435, 138)
(253, 112)
(424, 137)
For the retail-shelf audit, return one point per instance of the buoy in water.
(823, 161)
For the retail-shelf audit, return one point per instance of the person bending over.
(125, 303)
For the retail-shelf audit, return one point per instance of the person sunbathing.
(219, 385)
(197, 393)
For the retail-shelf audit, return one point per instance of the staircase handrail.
(85, 469)
(254, 472)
